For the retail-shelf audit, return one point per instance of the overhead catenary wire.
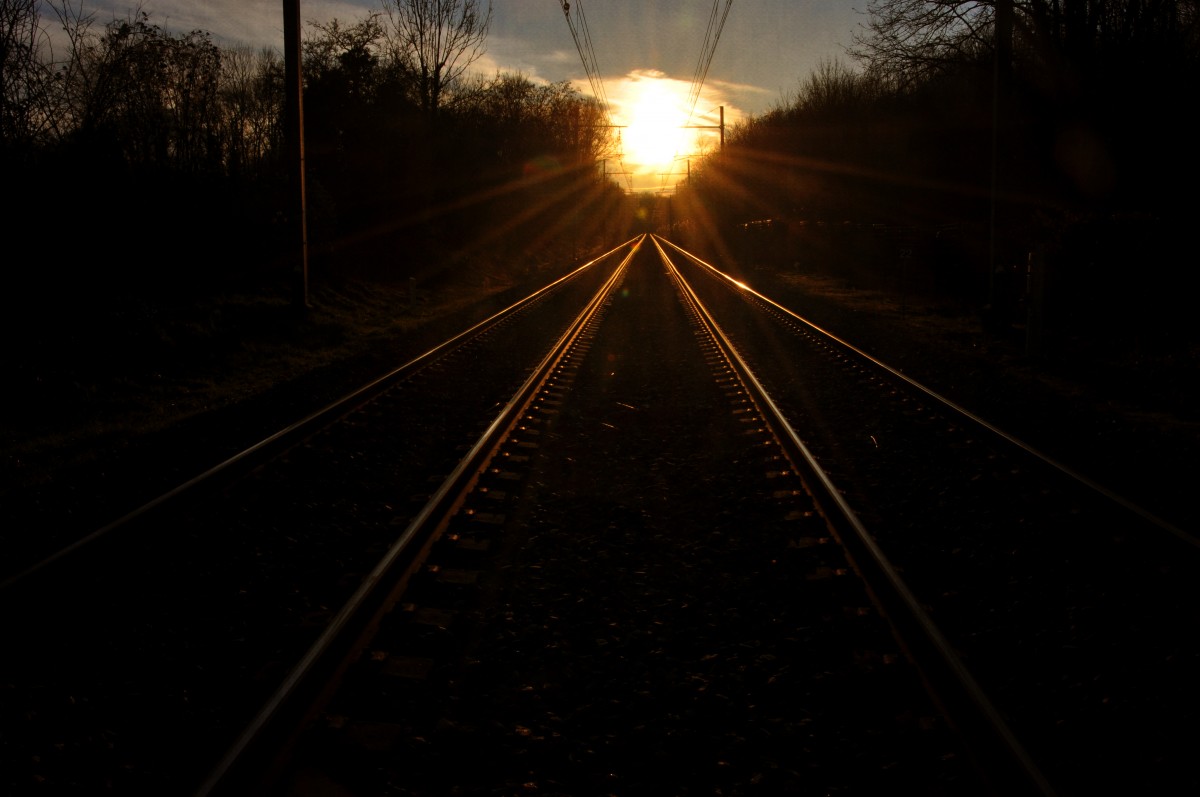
(582, 37)
(712, 35)
(583, 43)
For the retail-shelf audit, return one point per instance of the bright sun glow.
(655, 135)
(654, 144)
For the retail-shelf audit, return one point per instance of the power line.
(712, 35)
(587, 54)
(582, 37)
(583, 43)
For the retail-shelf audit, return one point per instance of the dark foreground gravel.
(662, 621)
(703, 665)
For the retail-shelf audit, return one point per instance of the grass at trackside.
(139, 369)
(71, 404)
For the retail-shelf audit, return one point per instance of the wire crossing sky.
(587, 51)
(711, 37)
(587, 56)
(652, 132)
(767, 47)
(639, 54)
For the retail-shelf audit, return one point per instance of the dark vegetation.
(147, 203)
(1039, 181)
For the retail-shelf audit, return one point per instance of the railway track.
(1075, 608)
(579, 560)
(641, 574)
(143, 647)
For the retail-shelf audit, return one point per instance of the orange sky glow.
(656, 136)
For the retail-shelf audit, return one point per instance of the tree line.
(973, 148)
(139, 158)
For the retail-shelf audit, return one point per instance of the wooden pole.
(293, 132)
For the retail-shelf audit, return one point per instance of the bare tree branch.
(442, 37)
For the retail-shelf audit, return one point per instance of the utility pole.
(293, 133)
(668, 175)
(1001, 90)
(688, 161)
(606, 173)
(720, 127)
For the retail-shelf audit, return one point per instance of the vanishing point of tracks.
(698, 546)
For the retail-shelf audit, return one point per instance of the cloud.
(767, 43)
(257, 23)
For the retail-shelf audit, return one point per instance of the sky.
(647, 52)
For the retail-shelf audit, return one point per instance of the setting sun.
(655, 134)
(650, 111)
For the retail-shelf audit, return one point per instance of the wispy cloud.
(767, 46)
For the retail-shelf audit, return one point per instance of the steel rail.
(295, 432)
(1125, 503)
(967, 706)
(255, 754)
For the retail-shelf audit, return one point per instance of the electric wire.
(582, 37)
(694, 86)
(712, 36)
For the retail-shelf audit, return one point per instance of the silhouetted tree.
(364, 131)
(1072, 39)
(442, 38)
(1093, 105)
(152, 95)
(912, 40)
(337, 46)
(23, 76)
(251, 97)
(516, 120)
